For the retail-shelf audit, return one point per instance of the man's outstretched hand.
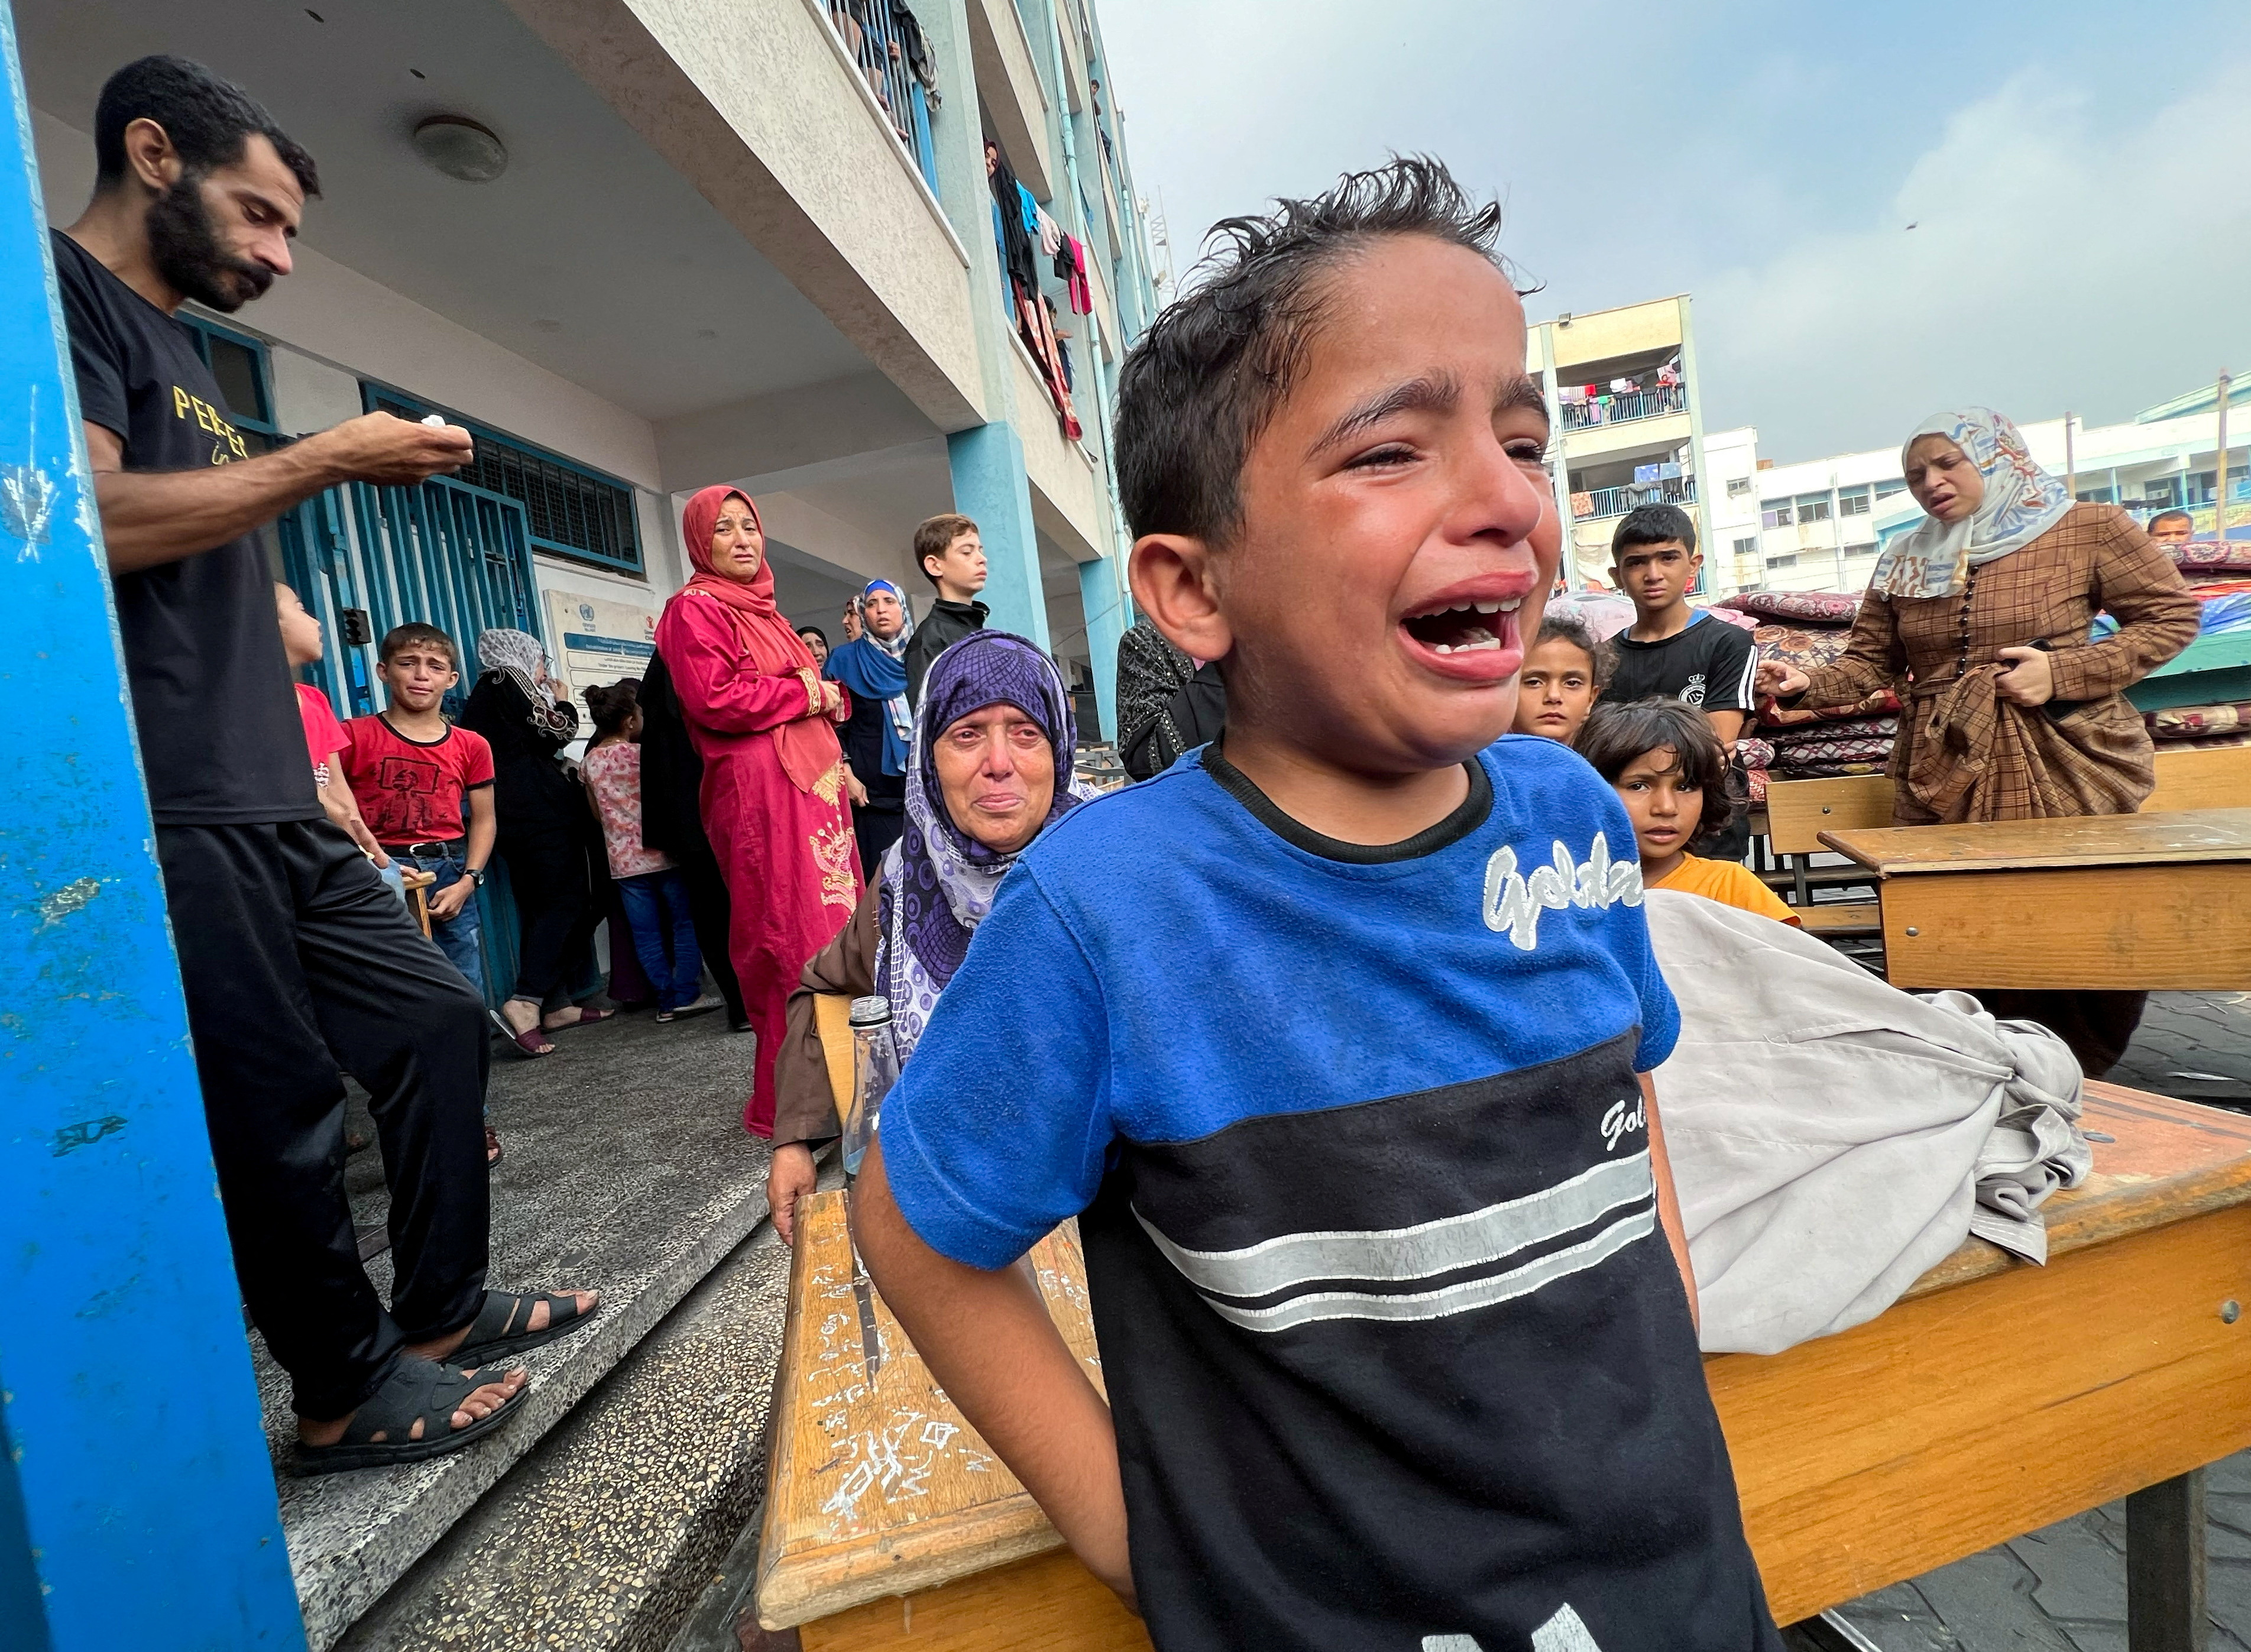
(392, 452)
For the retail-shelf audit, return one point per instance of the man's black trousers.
(298, 960)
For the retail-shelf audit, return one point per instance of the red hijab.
(807, 745)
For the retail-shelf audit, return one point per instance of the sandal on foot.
(417, 1391)
(494, 1151)
(498, 1330)
(533, 1041)
(586, 1018)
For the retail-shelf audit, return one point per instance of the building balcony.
(1615, 501)
(1652, 403)
(892, 61)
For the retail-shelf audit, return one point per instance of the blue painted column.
(989, 485)
(1101, 592)
(137, 1496)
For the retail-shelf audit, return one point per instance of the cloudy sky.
(2078, 175)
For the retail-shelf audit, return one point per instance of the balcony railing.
(886, 45)
(1649, 404)
(1615, 501)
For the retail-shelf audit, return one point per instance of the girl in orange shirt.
(1671, 772)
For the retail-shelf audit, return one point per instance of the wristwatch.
(475, 874)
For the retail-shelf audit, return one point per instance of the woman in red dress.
(764, 721)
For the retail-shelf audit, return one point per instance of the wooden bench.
(1799, 811)
(1994, 1398)
(415, 883)
(2144, 902)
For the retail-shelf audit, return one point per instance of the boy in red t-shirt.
(324, 736)
(412, 769)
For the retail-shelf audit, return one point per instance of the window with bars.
(1852, 501)
(238, 362)
(1813, 507)
(1773, 513)
(575, 514)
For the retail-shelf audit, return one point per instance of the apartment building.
(1622, 399)
(642, 246)
(1823, 521)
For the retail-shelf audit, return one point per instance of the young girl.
(1671, 772)
(1562, 676)
(655, 894)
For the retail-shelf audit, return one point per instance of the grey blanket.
(1833, 1137)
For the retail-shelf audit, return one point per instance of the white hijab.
(2022, 502)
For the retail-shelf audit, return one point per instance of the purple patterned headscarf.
(937, 880)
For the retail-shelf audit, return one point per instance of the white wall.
(327, 326)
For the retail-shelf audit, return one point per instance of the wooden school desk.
(2156, 903)
(1993, 1399)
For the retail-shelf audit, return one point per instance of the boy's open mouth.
(1469, 627)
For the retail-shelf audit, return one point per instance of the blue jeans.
(664, 936)
(458, 937)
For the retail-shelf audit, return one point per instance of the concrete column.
(136, 1494)
(989, 484)
(1102, 593)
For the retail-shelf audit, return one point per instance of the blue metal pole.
(136, 1494)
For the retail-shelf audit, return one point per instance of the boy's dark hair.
(1616, 734)
(1207, 377)
(1571, 629)
(935, 537)
(613, 708)
(207, 119)
(2168, 516)
(414, 633)
(1653, 525)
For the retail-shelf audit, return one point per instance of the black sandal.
(417, 1391)
(494, 1333)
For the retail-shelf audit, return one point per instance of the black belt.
(449, 849)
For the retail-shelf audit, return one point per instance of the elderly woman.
(1980, 615)
(542, 831)
(764, 723)
(987, 770)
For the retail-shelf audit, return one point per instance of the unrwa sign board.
(597, 641)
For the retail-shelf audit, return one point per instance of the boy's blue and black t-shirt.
(1398, 1355)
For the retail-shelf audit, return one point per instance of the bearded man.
(295, 959)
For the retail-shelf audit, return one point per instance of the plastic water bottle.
(874, 1069)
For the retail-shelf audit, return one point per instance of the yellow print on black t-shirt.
(229, 447)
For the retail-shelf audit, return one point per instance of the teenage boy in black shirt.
(294, 957)
(952, 557)
(1672, 651)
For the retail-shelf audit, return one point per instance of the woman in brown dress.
(1981, 617)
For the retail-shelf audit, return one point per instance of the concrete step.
(627, 1170)
(606, 1536)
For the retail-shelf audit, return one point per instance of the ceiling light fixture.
(461, 149)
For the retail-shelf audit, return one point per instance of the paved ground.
(2064, 1589)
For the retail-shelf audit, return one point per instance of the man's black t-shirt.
(220, 740)
(1709, 665)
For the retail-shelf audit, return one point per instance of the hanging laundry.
(1623, 387)
(1644, 472)
(1050, 232)
(1082, 290)
(1571, 395)
(1582, 504)
(1668, 376)
(906, 28)
(1031, 210)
